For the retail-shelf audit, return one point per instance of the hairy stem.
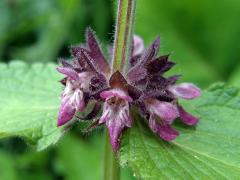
(121, 52)
(111, 166)
(123, 34)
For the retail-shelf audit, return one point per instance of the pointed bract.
(139, 71)
(96, 53)
(117, 80)
(160, 65)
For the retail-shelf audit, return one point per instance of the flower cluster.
(88, 77)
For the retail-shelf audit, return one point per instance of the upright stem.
(123, 34)
(111, 165)
(121, 52)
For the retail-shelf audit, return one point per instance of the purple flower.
(158, 101)
(116, 108)
(116, 114)
(144, 86)
(73, 96)
(161, 116)
(185, 90)
(85, 78)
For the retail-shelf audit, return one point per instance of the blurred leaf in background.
(56, 19)
(201, 35)
(4, 23)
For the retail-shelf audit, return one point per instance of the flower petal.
(124, 115)
(66, 113)
(165, 110)
(138, 45)
(78, 100)
(68, 72)
(185, 90)
(166, 132)
(114, 133)
(115, 92)
(152, 123)
(186, 117)
(116, 116)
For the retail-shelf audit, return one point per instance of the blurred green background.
(201, 36)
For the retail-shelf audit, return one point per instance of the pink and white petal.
(68, 72)
(185, 90)
(152, 123)
(125, 117)
(115, 92)
(106, 94)
(85, 76)
(106, 113)
(167, 133)
(165, 110)
(65, 114)
(138, 45)
(186, 117)
(79, 99)
(115, 131)
(104, 117)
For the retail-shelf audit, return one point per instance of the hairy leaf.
(29, 102)
(211, 150)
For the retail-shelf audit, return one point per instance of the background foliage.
(202, 37)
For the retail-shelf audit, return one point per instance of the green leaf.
(211, 150)
(29, 103)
